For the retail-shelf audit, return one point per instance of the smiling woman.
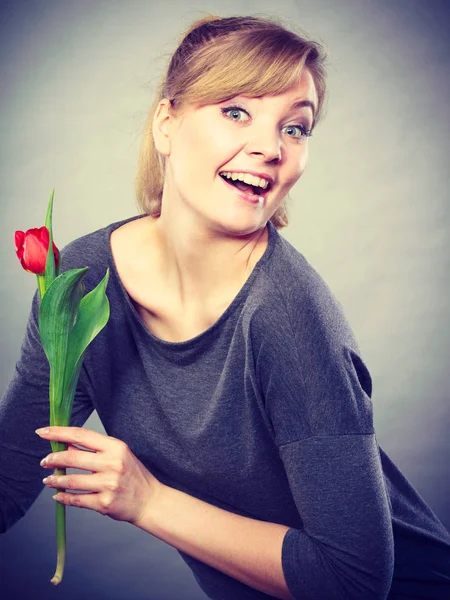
(235, 398)
(218, 59)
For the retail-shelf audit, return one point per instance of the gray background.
(371, 213)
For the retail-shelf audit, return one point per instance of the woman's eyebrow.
(302, 103)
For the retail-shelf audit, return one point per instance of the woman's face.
(264, 135)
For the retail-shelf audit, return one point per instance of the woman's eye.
(232, 110)
(304, 133)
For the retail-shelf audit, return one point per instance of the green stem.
(60, 536)
(60, 521)
(55, 419)
(41, 285)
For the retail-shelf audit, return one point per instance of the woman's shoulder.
(93, 250)
(294, 278)
(296, 294)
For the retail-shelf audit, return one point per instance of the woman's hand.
(119, 485)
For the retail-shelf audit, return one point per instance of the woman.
(233, 393)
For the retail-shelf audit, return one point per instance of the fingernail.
(42, 431)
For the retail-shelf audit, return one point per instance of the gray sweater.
(266, 414)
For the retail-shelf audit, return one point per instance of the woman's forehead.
(302, 93)
(302, 89)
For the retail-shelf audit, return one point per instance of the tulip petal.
(19, 237)
(34, 253)
(56, 255)
(44, 235)
(34, 231)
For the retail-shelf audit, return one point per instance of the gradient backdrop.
(371, 213)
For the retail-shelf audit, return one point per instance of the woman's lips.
(253, 198)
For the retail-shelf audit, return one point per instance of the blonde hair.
(218, 58)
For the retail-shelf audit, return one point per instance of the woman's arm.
(121, 487)
(345, 551)
(246, 549)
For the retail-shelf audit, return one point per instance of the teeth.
(246, 178)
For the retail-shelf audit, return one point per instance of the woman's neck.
(200, 266)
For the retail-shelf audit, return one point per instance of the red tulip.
(32, 248)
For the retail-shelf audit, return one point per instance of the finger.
(79, 482)
(75, 459)
(79, 435)
(79, 500)
(90, 501)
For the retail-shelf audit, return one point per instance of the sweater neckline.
(237, 300)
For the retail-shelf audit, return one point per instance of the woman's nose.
(267, 145)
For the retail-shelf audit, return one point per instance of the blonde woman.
(235, 399)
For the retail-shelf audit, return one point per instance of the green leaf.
(93, 314)
(70, 385)
(58, 314)
(50, 272)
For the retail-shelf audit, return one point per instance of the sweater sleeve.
(24, 408)
(317, 396)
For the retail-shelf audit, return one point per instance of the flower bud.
(32, 248)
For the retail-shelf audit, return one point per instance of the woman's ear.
(161, 127)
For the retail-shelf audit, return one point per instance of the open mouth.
(254, 190)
